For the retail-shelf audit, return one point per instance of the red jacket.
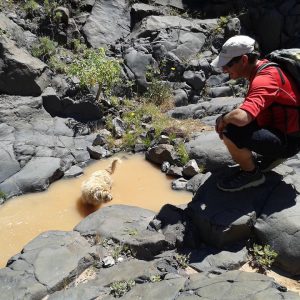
(266, 87)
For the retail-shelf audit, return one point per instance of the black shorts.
(264, 141)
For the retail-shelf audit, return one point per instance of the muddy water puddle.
(136, 182)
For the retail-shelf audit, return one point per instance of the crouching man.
(266, 123)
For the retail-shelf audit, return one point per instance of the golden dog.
(97, 189)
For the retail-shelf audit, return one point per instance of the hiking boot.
(241, 180)
(267, 163)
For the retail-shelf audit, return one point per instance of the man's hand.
(220, 125)
(236, 117)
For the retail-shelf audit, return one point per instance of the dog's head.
(103, 196)
(107, 197)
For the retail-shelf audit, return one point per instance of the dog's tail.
(113, 165)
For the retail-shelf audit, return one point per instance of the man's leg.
(236, 140)
(243, 156)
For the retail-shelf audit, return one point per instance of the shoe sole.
(250, 184)
(273, 165)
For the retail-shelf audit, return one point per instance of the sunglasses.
(233, 61)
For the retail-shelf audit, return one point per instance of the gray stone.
(9, 164)
(165, 166)
(208, 151)
(108, 261)
(138, 63)
(185, 112)
(220, 91)
(126, 225)
(174, 171)
(162, 153)
(278, 226)
(140, 10)
(236, 285)
(222, 218)
(194, 183)
(35, 176)
(212, 259)
(21, 73)
(180, 98)
(129, 270)
(179, 184)
(74, 171)
(52, 259)
(98, 152)
(118, 127)
(23, 38)
(99, 28)
(195, 79)
(190, 169)
(167, 290)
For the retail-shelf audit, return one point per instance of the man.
(261, 124)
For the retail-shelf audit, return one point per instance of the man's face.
(234, 68)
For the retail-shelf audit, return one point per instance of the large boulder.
(139, 64)
(37, 175)
(20, 73)
(279, 226)
(209, 151)
(23, 38)
(127, 225)
(108, 22)
(45, 265)
(224, 218)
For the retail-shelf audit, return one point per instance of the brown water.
(136, 182)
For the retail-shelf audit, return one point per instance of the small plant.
(2, 195)
(55, 63)
(182, 260)
(158, 92)
(78, 46)
(95, 68)
(2, 32)
(120, 288)
(120, 249)
(132, 232)
(44, 48)
(263, 256)
(31, 7)
(49, 6)
(155, 278)
(222, 22)
(182, 153)
(57, 17)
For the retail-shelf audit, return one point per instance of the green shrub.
(262, 257)
(78, 46)
(182, 153)
(158, 92)
(44, 48)
(95, 68)
(31, 7)
(120, 288)
(55, 63)
(49, 6)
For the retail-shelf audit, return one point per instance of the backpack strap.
(272, 64)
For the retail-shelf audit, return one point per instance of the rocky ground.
(51, 127)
